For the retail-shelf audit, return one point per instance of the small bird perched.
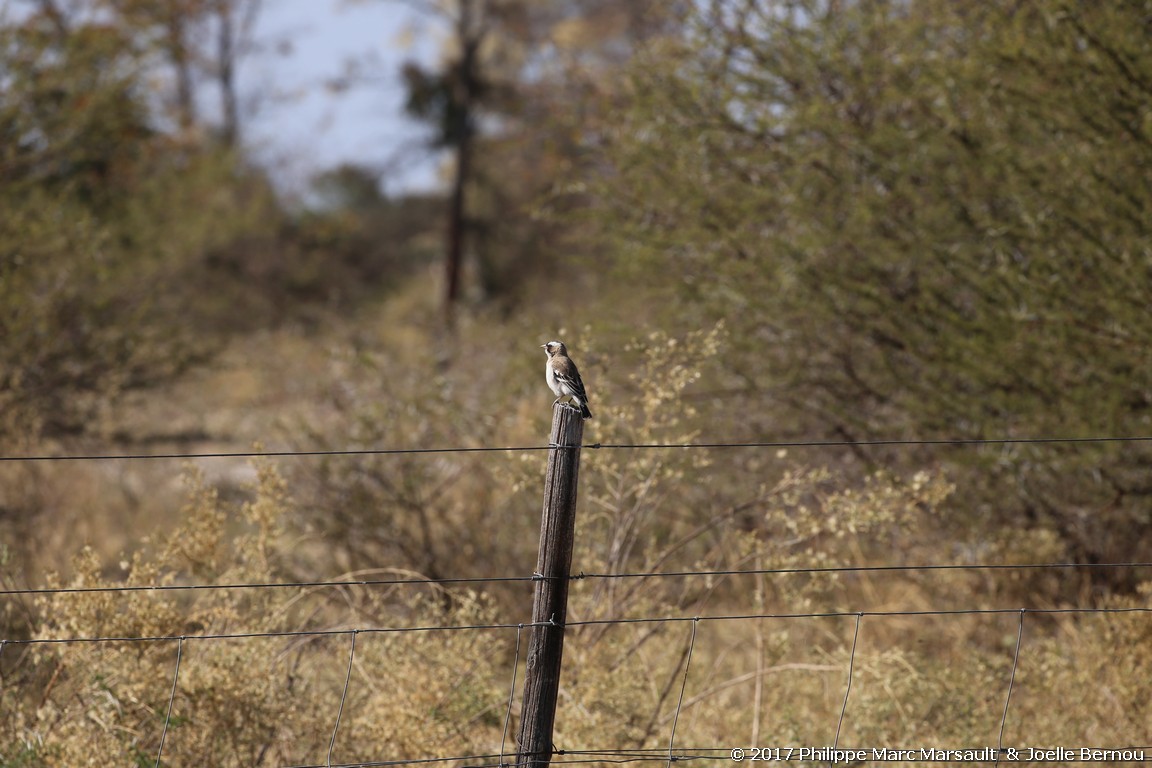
(564, 378)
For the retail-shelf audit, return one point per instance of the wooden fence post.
(550, 604)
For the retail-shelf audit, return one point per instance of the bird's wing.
(567, 374)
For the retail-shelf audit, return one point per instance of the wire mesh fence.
(691, 660)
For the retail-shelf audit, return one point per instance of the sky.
(298, 123)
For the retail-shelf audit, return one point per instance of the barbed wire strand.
(581, 576)
(171, 700)
(848, 688)
(683, 686)
(511, 694)
(908, 442)
(343, 698)
(585, 623)
(1011, 683)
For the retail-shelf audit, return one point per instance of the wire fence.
(616, 621)
(773, 444)
(581, 576)
(507, 756)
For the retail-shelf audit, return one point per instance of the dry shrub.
(252, 700)
(430, 693)
(658, 510)
(420, 511)
(624, 682)
(1090, 675)
(429, 677)
(440, 687)
(107, 701)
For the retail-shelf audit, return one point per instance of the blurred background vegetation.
(750, 221)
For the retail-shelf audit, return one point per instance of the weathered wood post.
(550, 605)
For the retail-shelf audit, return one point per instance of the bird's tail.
(584, 412)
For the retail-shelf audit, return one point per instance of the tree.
(235, 21)
(103, 220)
(925, 220)
(448, 99)
(178, 32)
(525, 72)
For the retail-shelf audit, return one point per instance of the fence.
(508, 754)
(673, 752)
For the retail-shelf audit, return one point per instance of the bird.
(564, 378)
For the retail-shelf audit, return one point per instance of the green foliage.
(850, 219)
(923, 220)
(102, 223)
(354, 243)
(70, 116)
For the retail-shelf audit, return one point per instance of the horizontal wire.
(268, 634)
(583, 623)
(715, 753)
(656, 752)
(581, 756)
(945, 441)
(272, 454)
(414, 761)
(594, 446)
(854, 614)
(478, 761)
(640, 755)
(856, 569)
(813, 570)
(34, 591)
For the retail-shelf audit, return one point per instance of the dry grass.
(918, 681)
